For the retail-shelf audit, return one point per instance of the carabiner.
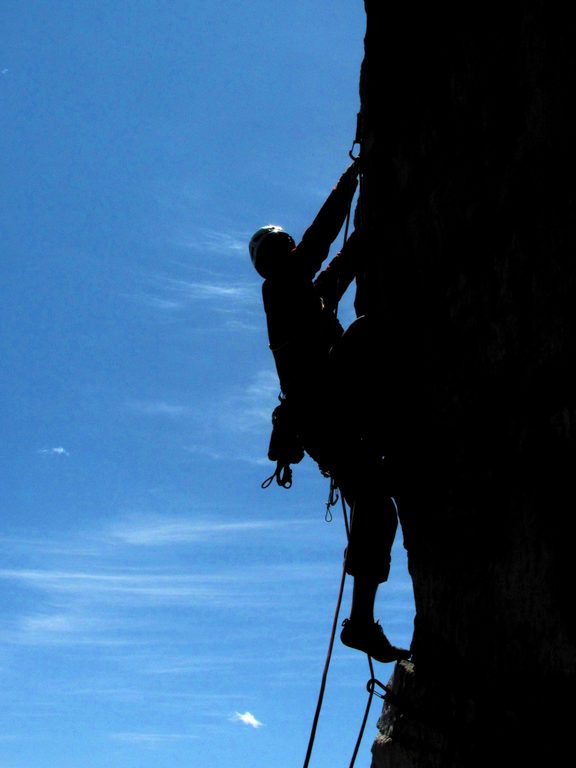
(351, 154)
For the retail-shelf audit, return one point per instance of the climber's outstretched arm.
(315, 244)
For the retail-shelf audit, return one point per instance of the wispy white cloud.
(156, 302)
(240, 410)
(247, 718)
(203, 450)
(133, 580)
(234, 426)
(96, 608)
(56, 451)
(126, 587)
(160, 408)
(154, 532)
(180, 203)
(151, 739)
(194, 290)
(57, 623)
(250, 410)
(45, 546)
(64, 629)
(221, 293)
(210, 240)
(264, 386)
(205, 663)
(97, 601)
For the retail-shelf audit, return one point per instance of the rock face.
(469, 197)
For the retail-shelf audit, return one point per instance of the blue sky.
(158, 607)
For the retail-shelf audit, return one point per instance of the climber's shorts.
(373, 526)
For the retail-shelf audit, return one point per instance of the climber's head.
(269, 248)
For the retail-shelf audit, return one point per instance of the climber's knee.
(374, 568)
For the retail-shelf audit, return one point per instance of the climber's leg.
(373, 527)
(363, 598)
(361, 632)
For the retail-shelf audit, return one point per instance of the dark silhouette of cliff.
(469, 121)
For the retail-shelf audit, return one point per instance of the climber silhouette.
(313, 357)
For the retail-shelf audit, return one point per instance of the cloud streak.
(100, 606)
(57, 451)
(247, 718)
(151, 739)
(216, 241)
(250, 411)
(127, 588)
(183, 531)
(160, 408)
(220, 293)
(229, 427)
(190, 290)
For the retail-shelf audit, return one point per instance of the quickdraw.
(282, 474)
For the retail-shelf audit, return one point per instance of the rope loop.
(282, 474)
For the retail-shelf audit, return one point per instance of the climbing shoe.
(371, 639)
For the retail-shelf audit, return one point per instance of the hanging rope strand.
(370, 687)
(331, 643)
(326, 667)
(373, 681)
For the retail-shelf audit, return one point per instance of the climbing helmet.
(260, 248)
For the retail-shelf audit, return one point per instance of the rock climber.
(310, 347)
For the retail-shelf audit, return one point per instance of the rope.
(373, 681)
(370, 685)
(347, 224)
(329, 654)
